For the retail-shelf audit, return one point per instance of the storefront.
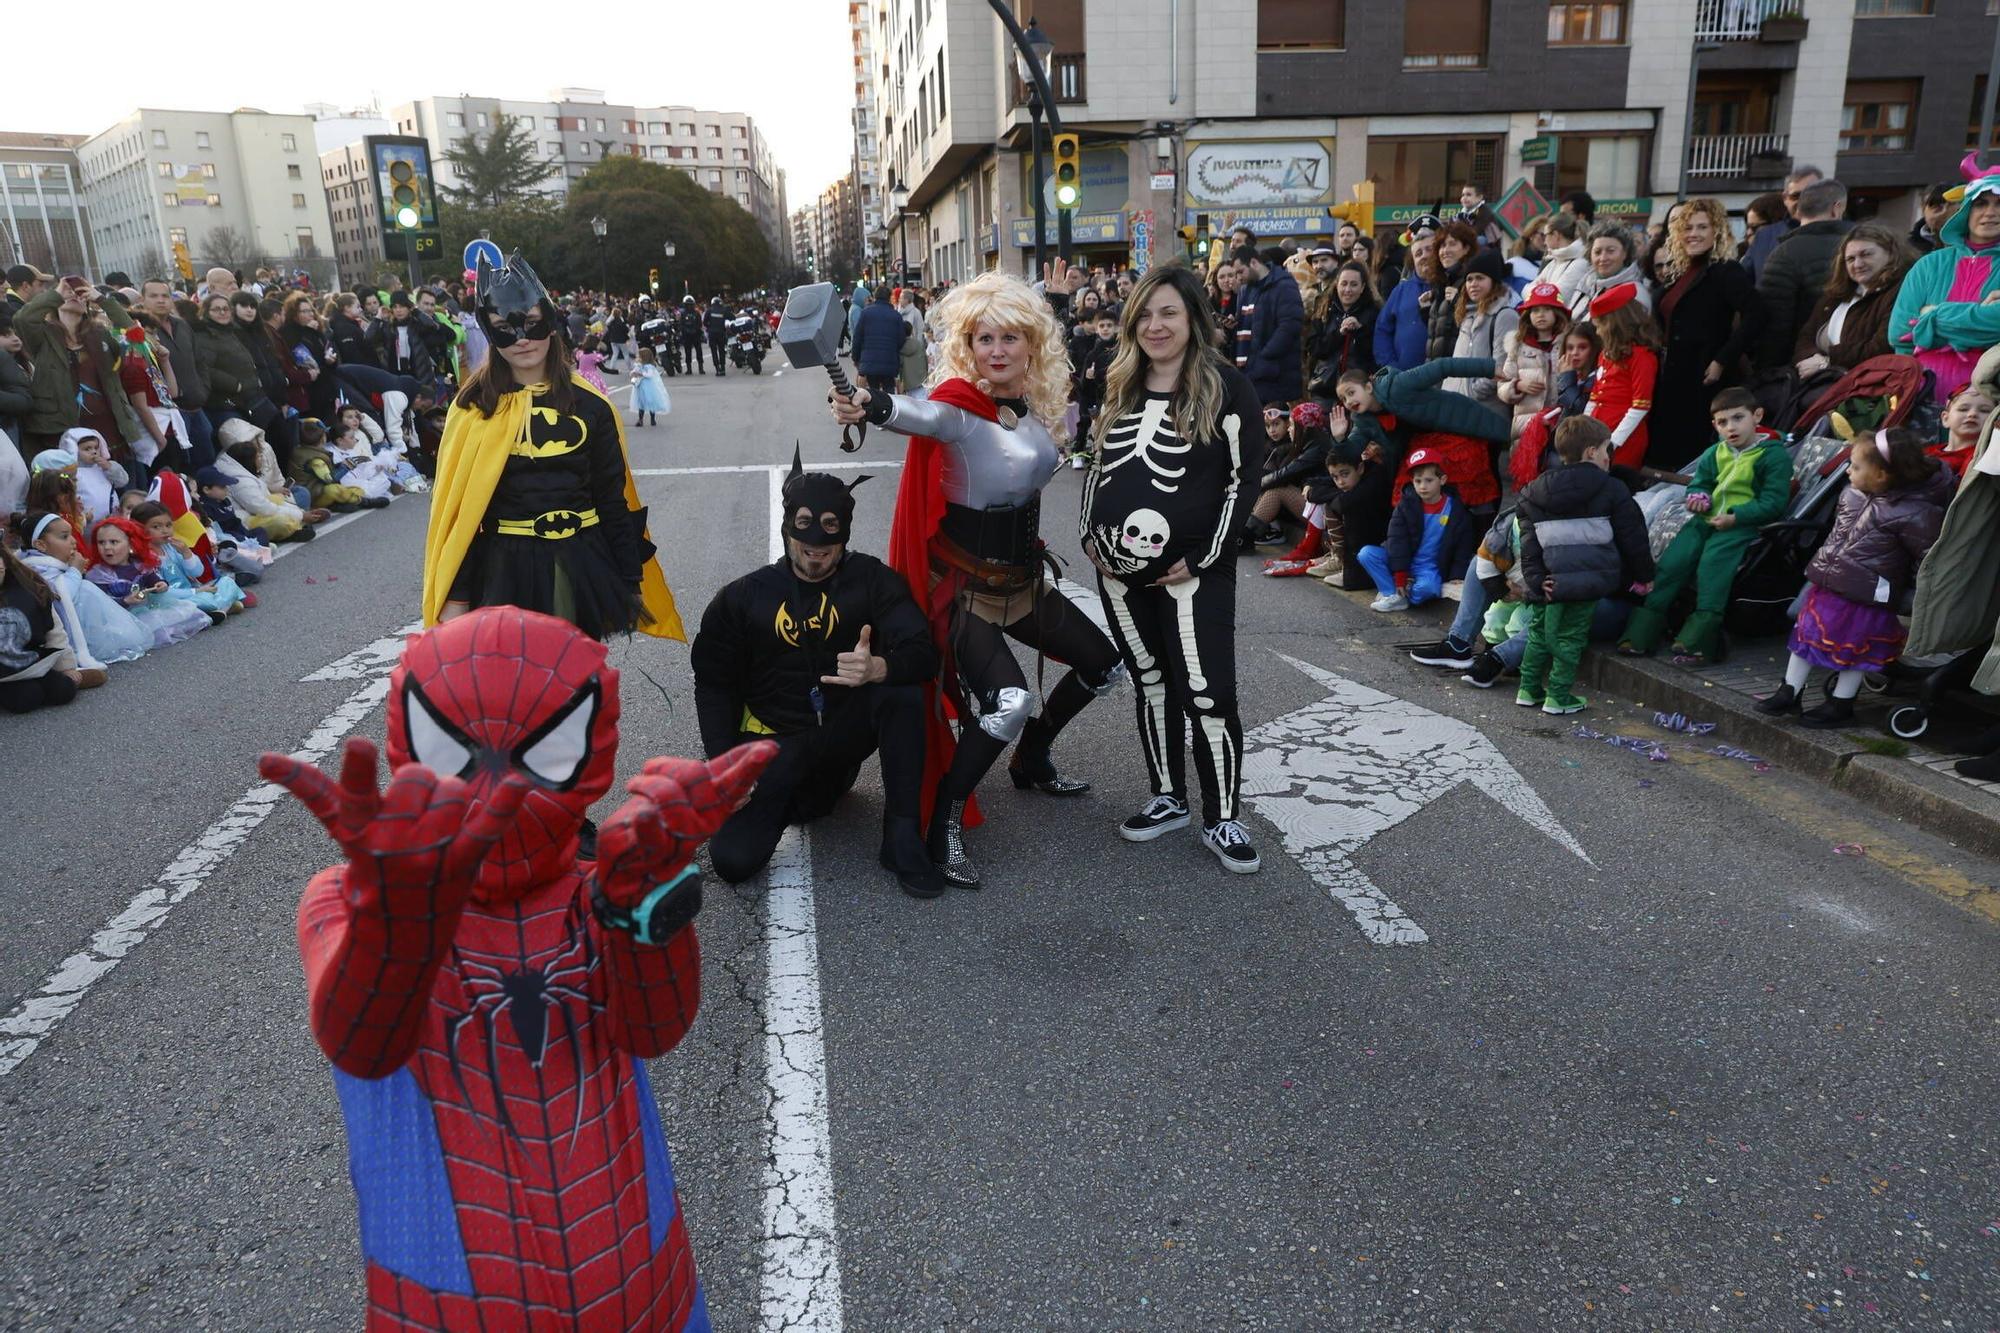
(1100, 229)
(1275, 187)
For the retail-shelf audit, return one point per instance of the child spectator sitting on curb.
(1582, 538)
(1356, 513)
(1742, 482)
(1429, 543)
(1461, 436)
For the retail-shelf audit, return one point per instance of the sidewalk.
(1910, 780)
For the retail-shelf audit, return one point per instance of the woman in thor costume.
(967, 536)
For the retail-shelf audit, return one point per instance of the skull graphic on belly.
(1143, 535)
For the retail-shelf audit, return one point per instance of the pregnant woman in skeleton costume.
(1180, 445)
(967, 537)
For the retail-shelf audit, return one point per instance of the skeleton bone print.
(1147, 438)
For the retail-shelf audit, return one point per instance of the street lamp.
(899, 199)
(600, 229)
(1031, 60)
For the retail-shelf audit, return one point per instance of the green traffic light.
(406, 218)
(1067, 196)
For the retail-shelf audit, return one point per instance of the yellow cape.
(470, 460)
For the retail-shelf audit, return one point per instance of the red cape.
(919, 510)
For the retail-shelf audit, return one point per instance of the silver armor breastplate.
(985, 464)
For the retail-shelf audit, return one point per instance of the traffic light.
(653, 277)
(1361, 212)
(1069, 171)
(403, 193)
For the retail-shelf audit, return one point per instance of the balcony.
(1065, 81)
(1739, 157)
(1749, 20)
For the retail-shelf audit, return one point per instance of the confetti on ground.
(1732, 752)
(1652, 750)
(1682, 722)
(1849, 849)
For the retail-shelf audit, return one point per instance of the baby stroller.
(1882, 391)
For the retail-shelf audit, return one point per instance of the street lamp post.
(899, 198)
(669, 251)
(600, 228)
(1032, 61)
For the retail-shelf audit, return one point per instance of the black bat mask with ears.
(819, 494)
(512, 303)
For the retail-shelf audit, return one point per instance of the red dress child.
(1622, 397)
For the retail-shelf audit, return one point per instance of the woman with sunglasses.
(535, 505)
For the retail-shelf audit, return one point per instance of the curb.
(1896, 787)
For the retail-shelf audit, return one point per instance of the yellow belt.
(554, 525)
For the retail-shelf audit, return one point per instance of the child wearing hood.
(85, 455)
(123, 565)
(100, 631)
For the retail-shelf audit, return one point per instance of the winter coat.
(1928, 316)
(1718, 318)
(1483, 336)
(1441, 321)
(1588, 287)
(351, 342)
(1878, 541)
(17, 397)
(1406, 533)
(190, 386)
(1581, 527)
(916, 356)
(314, 397)
(421, 363)
(1757, 253)
(1417, 400)
(226, 367)
(274, 384)
(1518, 357)
(1298, 462)
(1566, 267)
(1275, 327)
(1864, 333)
(1331, 352)
(1497, 562)
(878, 340)
(253, 496)
(55, 407)
(1401, 330)
(1958, 599)
(1791, 282)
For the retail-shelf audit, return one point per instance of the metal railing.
(1729, 155)
(1739, 20)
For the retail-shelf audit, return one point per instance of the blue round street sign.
(474, 250)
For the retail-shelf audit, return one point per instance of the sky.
(788, 63)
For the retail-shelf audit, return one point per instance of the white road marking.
(370, 659)
(873, 465)
(798, 1255)
(36, 1017)
(1336, 773)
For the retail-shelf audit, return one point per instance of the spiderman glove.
(645, 880)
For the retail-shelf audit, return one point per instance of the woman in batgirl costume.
(967, 536)
(534, 504)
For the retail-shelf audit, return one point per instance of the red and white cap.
(1544, 294)
(1421, 457)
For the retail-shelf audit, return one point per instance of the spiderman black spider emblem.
(478, 989)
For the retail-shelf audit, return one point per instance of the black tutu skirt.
(575, 579)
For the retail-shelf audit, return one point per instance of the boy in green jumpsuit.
(1741, 483)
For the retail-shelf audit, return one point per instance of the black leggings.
(986, 666)
(1179, 643)
(25, 696)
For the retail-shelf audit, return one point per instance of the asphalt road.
(1663, 1059)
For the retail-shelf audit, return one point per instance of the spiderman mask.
(504, 691)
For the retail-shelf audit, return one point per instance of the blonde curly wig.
(1006, 302)
(1673, 254)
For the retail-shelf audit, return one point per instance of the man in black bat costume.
(825, 652)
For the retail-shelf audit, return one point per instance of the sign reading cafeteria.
(1222, 173)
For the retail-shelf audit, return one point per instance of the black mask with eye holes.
(512, 303)
(819, 494)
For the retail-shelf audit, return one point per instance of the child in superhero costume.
(535, 505)
(489, 1002)
(967, 537)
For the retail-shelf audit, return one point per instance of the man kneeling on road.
(825, 652)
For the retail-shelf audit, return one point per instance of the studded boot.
(1032, 767)
(947, 843)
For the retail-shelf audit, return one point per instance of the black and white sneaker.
(1443, 653)
(1230, 842)
(1487, 668)
(1163, 814)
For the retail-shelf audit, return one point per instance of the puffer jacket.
(17, 396)
(1400, 329)
(226, 367)
(1441, 323)
(1871, 556)
(1566, 268)
(1298, 462)
(1521, 356)
(1418, 399)
(1484, 335)
(1497, 562)
(1405, 536)
(1581, 527)
(258, 501)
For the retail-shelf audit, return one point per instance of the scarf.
(471, 457)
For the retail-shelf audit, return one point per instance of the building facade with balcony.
(236, 188)
(43, 219)
(723, 151)
(1269, 112)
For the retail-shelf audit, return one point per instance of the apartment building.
(43, 218)
(1269, 112)
(577, 128)
(236, 188)
(862, 24)
(837, 228)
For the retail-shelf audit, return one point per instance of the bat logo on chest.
(791, 631)
(551, 434)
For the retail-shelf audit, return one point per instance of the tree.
(527, 224)
(228, 248)
(718, 246)
(503, 169)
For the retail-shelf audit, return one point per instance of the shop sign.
(1251, 173)
(1265, 221)
(1084, 229)
(1141, 222)
(1627, 210)
(1163, 180)
(1541, 148)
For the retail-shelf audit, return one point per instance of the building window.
(292, 172)
(600, 124)
(1891, 9)
(713, 131)
(736, 131)
(288, 142)
(298, 201)
(714, 154)
(1421, 170)
(302, 239)
(177, 236)
(1445, 34)
(1978, 108)
(555, 149)
(1878, 116)
(1589, 23)
(551, 123)
(583, 150)
(740, 154)
(215, 201)
(159, 138)
(715, 178)
(170, 199)
(208, 170)
(687, 131)
(201, 139)
(455, 119)
(656, 127)
(167, 168)
(1301, 25)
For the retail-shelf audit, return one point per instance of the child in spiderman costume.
(488, 1001)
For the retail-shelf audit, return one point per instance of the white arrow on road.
(1336, 773)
